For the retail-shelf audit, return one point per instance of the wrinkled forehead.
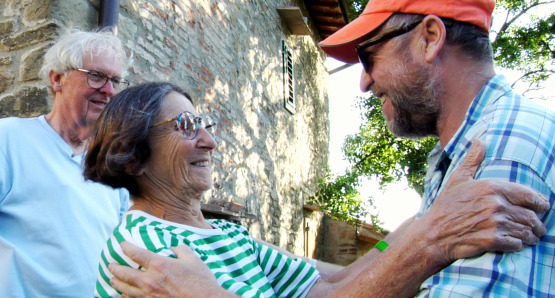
(175, 103)
(105, 61)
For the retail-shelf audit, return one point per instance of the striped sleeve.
(289, 277)
(113, 253)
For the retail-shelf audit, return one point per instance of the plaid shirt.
(519, 137)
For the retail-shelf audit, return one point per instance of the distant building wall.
(228, 55)
(342, 243)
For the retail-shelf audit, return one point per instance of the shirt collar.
(494, 89)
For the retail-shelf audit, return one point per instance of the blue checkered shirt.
(519, 137)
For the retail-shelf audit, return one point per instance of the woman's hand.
(186, 276)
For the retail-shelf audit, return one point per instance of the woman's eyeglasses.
(188, 124)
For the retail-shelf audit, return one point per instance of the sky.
(398, 202)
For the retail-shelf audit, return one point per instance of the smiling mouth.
(99, 103)
(201, 163)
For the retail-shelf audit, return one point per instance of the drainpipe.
(108, 14)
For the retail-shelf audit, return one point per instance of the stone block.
(5, 81)
(79, 14)
(5, 60)
(6, 28)
(31, 63)
(28, 102)
(37, 10)
(29, 37)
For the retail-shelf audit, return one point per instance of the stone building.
(254, 64)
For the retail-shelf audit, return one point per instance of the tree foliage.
(339, 198)
(355, 8)
(376, 152)
(521, 41)
(524, 41)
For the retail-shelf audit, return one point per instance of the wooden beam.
(294, 19)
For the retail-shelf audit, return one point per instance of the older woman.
(151, 140)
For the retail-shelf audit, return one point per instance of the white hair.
(70, 49)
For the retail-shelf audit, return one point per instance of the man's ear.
(55, 81)
(434, 34)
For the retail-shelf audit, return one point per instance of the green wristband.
(381, 245)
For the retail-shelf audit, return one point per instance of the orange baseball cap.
(341, 44)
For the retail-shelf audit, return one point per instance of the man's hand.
(161, 276)
(472, 216)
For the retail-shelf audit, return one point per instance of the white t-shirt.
(53, 223)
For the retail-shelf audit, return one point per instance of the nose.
(108, 89)
(366, 81)
(205, 139)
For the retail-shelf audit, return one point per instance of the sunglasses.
(364, 56)
(188, 124)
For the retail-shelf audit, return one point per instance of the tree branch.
(529, 73)
(507, 23)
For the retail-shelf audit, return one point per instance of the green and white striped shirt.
(240, 265)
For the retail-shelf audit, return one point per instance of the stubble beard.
(415, 96)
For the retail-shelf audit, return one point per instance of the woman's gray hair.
(472, 41)
(120, 143)
(71, 48)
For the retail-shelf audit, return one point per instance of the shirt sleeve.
(513, 171)
(499, 274)
(288, 277)
(113, 253)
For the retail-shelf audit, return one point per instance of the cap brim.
(341, 44)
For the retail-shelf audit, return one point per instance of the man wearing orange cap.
(430, 63)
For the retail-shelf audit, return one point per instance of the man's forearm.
(398, 271)
(378, 272)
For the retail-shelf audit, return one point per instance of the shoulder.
(511, 107)
(16, 133)
(519, 140)
(513, 120)
(17, 121)
(14, 126)
(230, 228)
(143, 230)
(133, 227)
(11, 123)
(518, 135)
(224, 224)
(135, 219)
(519, 122)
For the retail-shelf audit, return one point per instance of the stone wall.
(227, 54)
(336, 242)
(342, 243)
